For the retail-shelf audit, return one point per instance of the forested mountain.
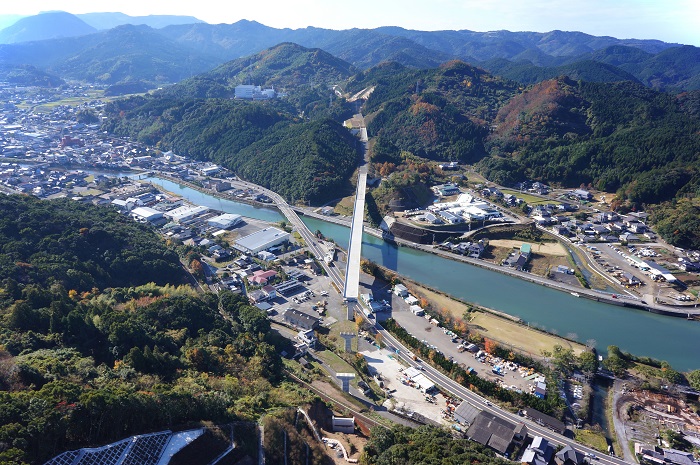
(123, 54)
(51, 25)
(190, 49)
(284, 66)
(672, 69)
(361, 47)
(84, 362)
(440, 114)
(302, 158)
(527, 73)
(79, 246)
(27, 75)
(616, 136)
(104, 21)
(507, 44)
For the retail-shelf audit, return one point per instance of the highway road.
(462, 392)
(433, 374)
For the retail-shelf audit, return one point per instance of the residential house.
(582, 194)
(300, 319)
(629, 279)
(497, 433)
(569, 456)
(660, 456)
(561, 230)
(261, 277)
(308, 337)
(545, 420)
(540, 452)
(492, 192)
(270, 291)
(257, 296)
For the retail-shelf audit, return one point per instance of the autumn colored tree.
(197, 267)
(490, 345)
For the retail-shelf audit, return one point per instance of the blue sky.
(667, 20)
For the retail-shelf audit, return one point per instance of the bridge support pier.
(348, 341)
(345, 380)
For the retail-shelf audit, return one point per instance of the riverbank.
(555, 312)
(506, 330)
(599, 296)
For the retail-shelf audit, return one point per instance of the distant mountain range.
(55, 24)
(88, 47)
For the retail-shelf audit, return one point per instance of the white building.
(225, 221)
(184, 213)
(401, 290)
(146, 214)
(250, 92)
(262, 240)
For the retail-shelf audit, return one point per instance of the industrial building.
(262, 240)
(147, 214)
(225, 221)
(184, 213)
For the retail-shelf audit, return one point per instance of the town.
(52, 156)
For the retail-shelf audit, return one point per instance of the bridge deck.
(352, 274)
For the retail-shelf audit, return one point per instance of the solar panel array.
(147, 449)
(65, 458)
(136, 450)
(106, 455)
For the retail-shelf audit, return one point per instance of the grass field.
(530, 199)
(546, 248)
(345, 206)
(593, 439)
(501, 330)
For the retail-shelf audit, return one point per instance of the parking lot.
(315, 296)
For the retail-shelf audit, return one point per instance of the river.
(675, 340)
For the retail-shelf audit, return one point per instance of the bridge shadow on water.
(381, 252)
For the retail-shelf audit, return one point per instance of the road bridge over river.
(352, 270)
(350, 285)
(351, 290)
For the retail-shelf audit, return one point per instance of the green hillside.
(284, 66)
(586, 70)
(123, 54)
(27, 75)
(447, 119)
(79, 246)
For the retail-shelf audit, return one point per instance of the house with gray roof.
(497, 433)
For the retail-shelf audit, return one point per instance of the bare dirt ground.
(643, 414)
(407, 398)
(546, 248)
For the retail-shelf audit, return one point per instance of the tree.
(616, 361)
(490, 346)
(197, 268)
(563, 359)
(588, 362)
(694, 379)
